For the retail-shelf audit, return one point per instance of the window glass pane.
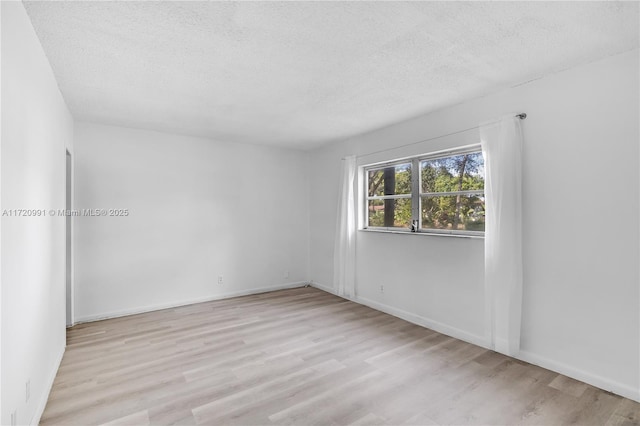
(390, 213)
(390, 180)
(457, 173)
(461, 212)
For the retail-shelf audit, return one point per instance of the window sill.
(424, 233)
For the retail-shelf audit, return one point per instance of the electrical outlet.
(27, 387)
(286, 274)
(381, 289)
(14, 418)
(220, 280)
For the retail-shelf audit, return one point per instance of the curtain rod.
(521, 116)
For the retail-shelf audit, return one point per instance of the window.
(389, 196)
(439, 193)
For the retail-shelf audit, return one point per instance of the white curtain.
(344, 253)
(502, 149)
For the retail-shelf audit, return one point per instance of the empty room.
(320, 213)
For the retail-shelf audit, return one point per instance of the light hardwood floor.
(303, 356)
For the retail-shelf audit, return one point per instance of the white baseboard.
(559, 367)
(581, 375)
(42, 404)
(425, 322)
(412, 318)
(323, 287)
(158, 307)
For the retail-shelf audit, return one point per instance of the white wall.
(581, 207)
(198, 209)
(36, 129)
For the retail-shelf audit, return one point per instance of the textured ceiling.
(299, 74)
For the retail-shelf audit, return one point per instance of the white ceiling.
(299, 74)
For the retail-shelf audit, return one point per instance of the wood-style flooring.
(303, 357)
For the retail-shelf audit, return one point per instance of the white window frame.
(417, 194)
